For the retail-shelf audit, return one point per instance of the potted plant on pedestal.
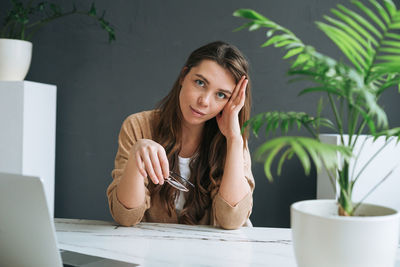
(19, 26)
(342, 232)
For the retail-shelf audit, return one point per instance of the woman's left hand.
(228, 121)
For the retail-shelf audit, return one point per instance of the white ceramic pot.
(15, 59)
(321, 238)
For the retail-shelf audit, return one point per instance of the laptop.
(27, 232)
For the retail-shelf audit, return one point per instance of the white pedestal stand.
(28, 131)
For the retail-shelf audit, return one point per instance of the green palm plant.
(370, 40)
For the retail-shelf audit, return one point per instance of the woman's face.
(206, 89)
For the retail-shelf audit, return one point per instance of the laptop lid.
(27, 232)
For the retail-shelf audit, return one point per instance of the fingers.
(162, 156)
(149, 168)
(238, 88)
(238, 98)
(157, 167)
(242, 95)
(152, 161)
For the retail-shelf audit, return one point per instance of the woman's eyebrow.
(204, 78)
(225, 91)
(207, 82)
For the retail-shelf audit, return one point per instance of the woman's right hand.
(151, 160)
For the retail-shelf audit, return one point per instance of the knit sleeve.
(232, 217)
(135, 127)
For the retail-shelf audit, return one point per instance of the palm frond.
(390, 81)
(338, 79)
(277, 35)
(394, 133)
(285, 121)
(351, 33)
(371, 49)
(306, 149)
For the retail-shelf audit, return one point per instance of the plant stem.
(331, 179)
(45, 21)
(337, 117)
(310, 131)
(359, 131)
(369, 161)
(345, 195)
(374, 188)
(358, 156)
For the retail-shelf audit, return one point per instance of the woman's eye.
(221, 95)
(200, 83)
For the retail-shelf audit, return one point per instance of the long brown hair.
(207, 165)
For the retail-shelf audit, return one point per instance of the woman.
(195, 132)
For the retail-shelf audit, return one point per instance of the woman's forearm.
(131, 189)
(234, 186)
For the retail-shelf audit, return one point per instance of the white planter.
(15, 59)
(321, 238)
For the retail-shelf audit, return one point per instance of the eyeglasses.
(174, 180)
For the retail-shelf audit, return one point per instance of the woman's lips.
(196, 112)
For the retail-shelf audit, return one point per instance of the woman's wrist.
(233, 140)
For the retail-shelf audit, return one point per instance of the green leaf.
(302, 155)
(254, 27)
(304, 148)
(284, 43)
(390, 50)
(381, 11)
(257, 123)
(392, 35)
(395, 26)
(285, 126)
(246, 25)
(351, 43)
(391, 43)
(312, 152)
(390, 7)
(346, 48)
(370, 14)
(390, 58)
(347, 29)
(293, 52)
(320, 106)
(302, 58)
(249, 14)
(92, 11)
(356, 26)
(286, 155)
(273, 148)
(271, 32)
(275, 39)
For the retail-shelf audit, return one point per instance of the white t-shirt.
(185, 173)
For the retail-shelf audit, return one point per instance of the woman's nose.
(204, 100)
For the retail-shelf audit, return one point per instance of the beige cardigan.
(221, 214)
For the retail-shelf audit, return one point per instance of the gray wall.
(100, 84)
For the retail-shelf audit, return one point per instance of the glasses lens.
(173, 182)
(181, 180)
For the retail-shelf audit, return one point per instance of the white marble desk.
(152, 244)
